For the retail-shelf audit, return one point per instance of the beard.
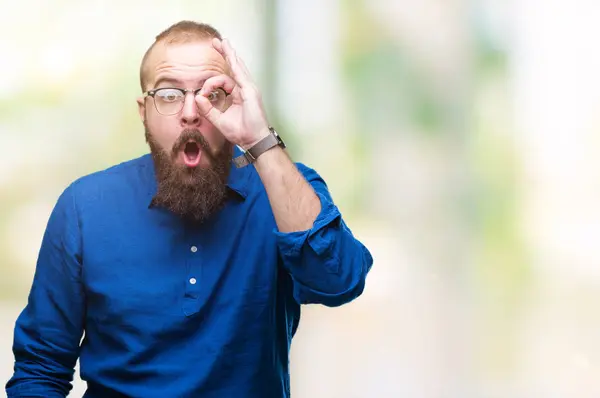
(196, 193)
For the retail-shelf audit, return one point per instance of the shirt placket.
(193, 279)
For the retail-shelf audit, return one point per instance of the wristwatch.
(270, 141)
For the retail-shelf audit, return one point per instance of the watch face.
(277, 137)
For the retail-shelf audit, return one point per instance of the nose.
(189, 114)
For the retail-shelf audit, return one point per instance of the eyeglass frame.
(185, 91)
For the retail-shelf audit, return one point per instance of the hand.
(244, 123)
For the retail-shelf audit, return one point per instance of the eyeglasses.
(169, 101)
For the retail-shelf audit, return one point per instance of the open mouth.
(191, 154)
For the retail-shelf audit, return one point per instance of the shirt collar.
(237, 182)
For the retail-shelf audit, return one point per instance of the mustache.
(192, 135)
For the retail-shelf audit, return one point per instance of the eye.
(216, 96)
(169, 95)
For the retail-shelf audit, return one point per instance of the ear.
(142, 108)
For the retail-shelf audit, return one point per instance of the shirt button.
(193, 281)
(194, 249)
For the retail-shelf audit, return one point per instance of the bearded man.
(184, 270)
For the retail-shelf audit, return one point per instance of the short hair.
(180, 32)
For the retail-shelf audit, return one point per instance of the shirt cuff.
(320, 238)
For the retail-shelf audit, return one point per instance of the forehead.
(191, 61)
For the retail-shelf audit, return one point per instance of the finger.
(207, 110)
(217, 45)
(222, 81)
(226, 52)
(243, 68)
(222, 49)
(238, 70)
(237, 96)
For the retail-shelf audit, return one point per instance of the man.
(186, 267)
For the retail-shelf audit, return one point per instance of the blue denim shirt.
(167, 309)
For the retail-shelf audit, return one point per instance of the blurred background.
(459, 139)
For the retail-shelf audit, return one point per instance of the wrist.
(256, 139)
(252, 152)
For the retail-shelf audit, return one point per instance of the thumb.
(207, 110)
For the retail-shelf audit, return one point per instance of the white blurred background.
(459, 139)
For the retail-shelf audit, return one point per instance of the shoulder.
(110, 181)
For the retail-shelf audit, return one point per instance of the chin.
(189, 180)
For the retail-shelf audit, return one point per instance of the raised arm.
(327, 263)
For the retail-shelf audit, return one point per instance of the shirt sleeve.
(48, 331)
(328, 265)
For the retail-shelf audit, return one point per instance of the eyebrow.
(174, 82)
(169, 80)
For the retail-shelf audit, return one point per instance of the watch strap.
(270, 141)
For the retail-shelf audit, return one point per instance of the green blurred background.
(458, 138)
